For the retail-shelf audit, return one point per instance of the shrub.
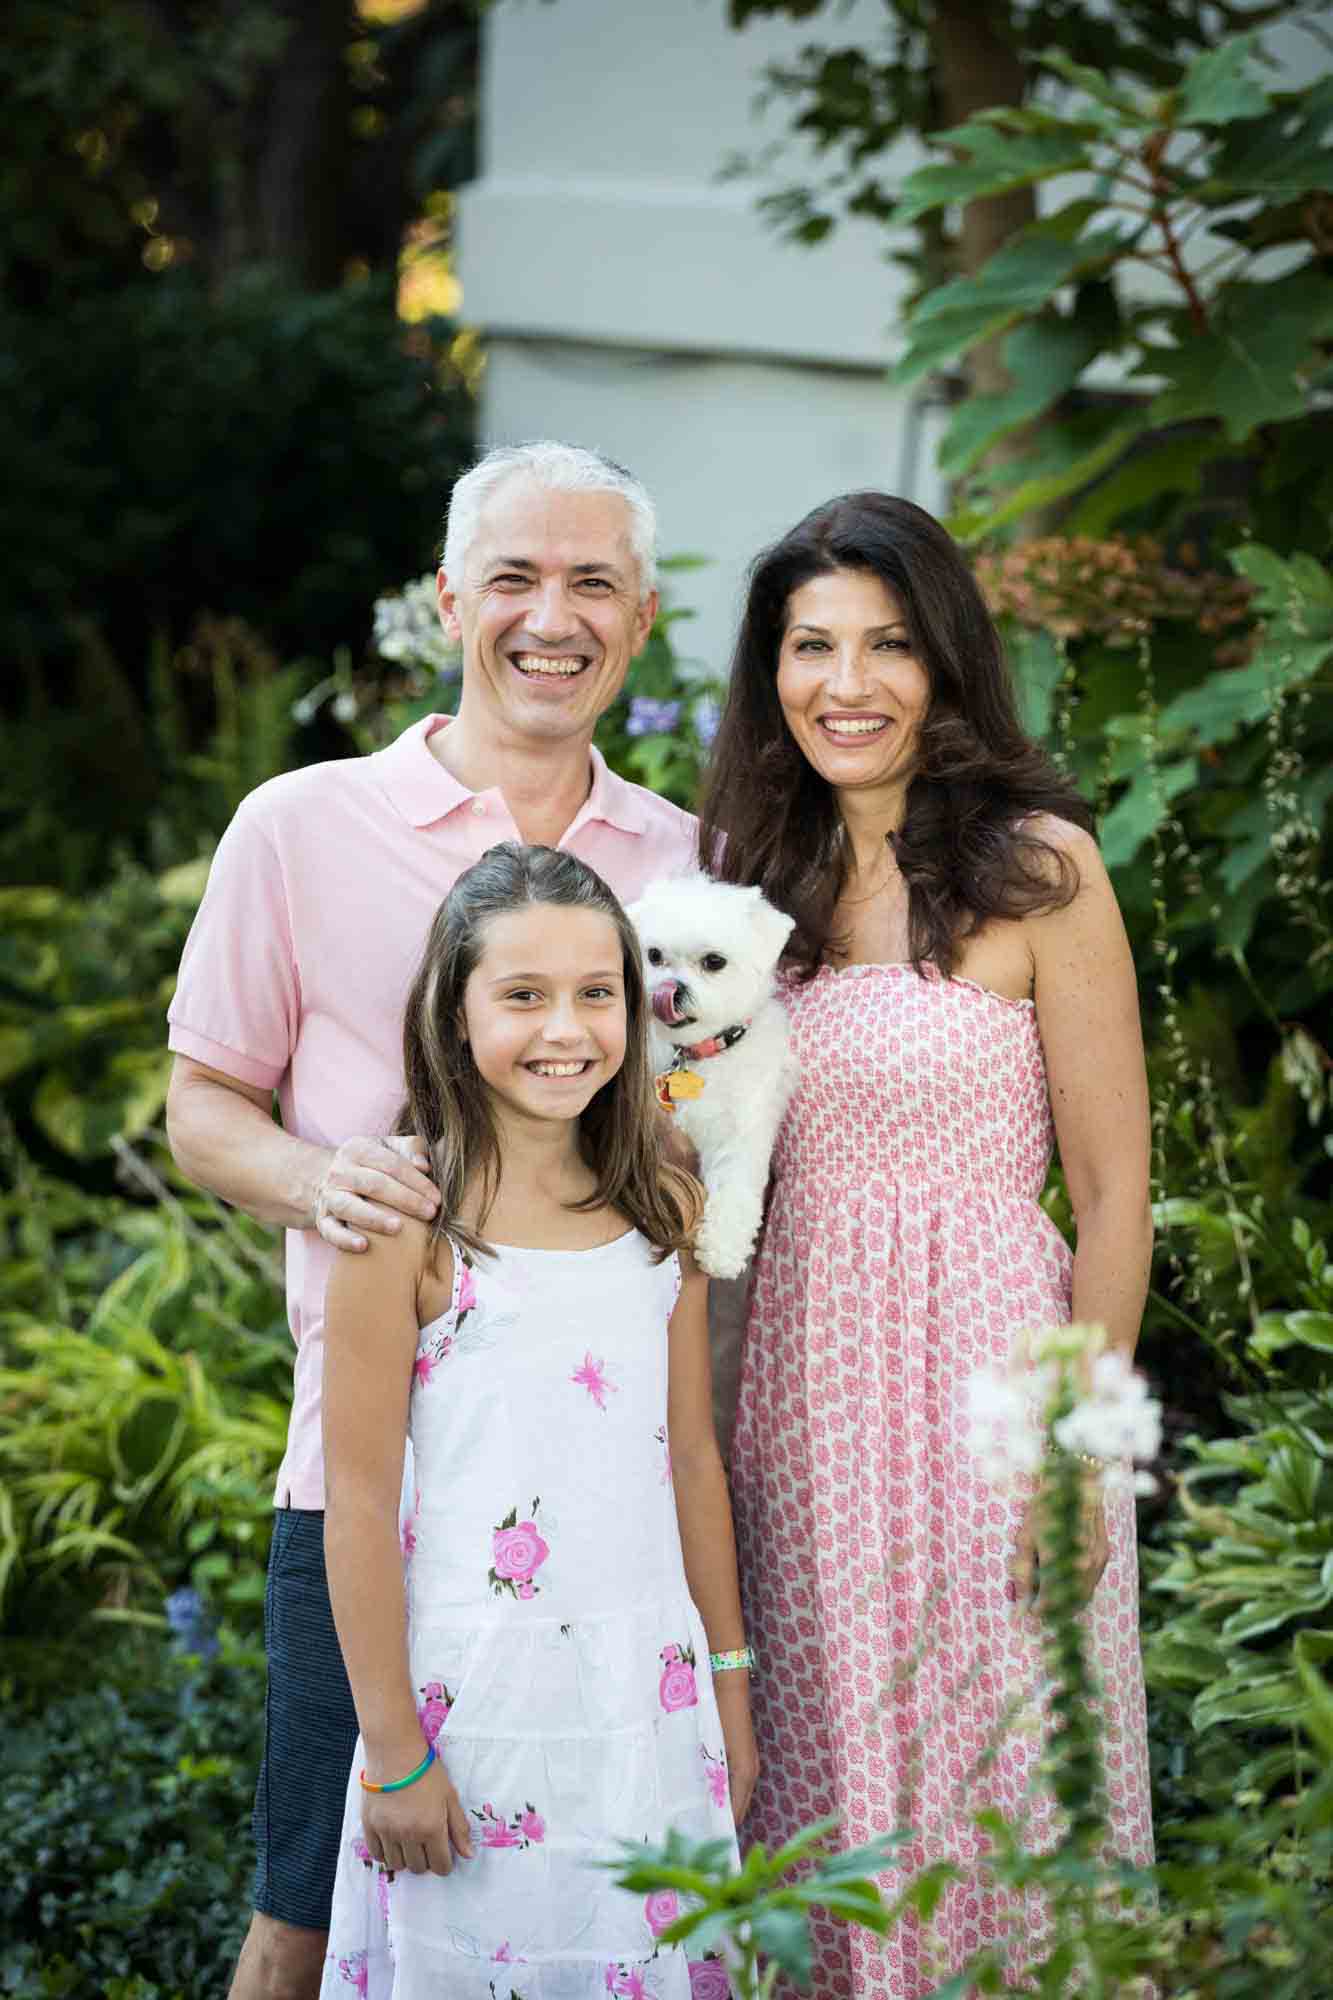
(125, 1822)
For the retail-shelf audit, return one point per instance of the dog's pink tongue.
(664, 1004)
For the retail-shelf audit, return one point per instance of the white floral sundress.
(560, 1668)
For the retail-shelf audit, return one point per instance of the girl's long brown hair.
(964, 849)
(448, 1102)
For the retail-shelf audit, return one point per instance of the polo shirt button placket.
(478, 806)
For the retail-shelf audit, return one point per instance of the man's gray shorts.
(309, 1731)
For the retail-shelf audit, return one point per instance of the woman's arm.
(370, 1337)
(1088, 1014)
(703, 1509)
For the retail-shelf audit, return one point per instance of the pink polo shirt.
(296, 971)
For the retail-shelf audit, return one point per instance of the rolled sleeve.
(237, 1003)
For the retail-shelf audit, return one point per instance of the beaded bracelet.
(725, 1663)
(401, 1784)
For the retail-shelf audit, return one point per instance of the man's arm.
(223, 1138)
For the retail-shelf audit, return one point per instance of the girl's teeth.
(867, 728)
(534, 663)
(559, 1069)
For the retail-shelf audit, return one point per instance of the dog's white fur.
(682, 923)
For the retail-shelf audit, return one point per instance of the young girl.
(540, 1690)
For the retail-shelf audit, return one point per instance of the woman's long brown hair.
(448, 1102)
(964, 849)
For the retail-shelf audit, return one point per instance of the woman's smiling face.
(853, 692)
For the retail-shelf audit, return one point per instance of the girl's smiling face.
(544, 1010)
(853, 692)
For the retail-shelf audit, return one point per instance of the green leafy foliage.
(125, 1816)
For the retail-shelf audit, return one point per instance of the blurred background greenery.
(235, 395)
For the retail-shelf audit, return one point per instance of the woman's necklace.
(854, 901)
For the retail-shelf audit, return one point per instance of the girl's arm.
(703, 1509)
(370, 1337)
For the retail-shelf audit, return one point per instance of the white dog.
(719, 1039)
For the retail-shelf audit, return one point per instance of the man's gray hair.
(563, 468)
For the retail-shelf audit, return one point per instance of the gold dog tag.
(677, 1086)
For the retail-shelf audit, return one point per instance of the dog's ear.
(771, 927)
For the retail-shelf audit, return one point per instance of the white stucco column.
(635, 301)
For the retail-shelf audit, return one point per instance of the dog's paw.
(726, 1237)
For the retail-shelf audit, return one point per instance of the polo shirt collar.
(417, 784)
(420, 788)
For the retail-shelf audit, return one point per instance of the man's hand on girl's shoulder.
(369, 1184)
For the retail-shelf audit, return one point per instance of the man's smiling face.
(549, 610)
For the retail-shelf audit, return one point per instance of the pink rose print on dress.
(355, 1970)
(715, 1768)
(467, 1288)
(517, 1551)
(433, 1710)
(522, 1829)
(660, 1909)
(592, 1376)
(661, 1435)
(408, 1539)
(677, 1688)
(506, 1955)
(626, 1980)
(708, 1979)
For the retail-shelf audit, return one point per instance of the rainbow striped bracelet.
(401, 1784)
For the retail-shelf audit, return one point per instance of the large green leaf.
(1037, 665)
(1218, 86)
(1283, 157)
(1174, 465)
(83, 1115)
(1235, 696)
(1115, 109)
(996, 160)
(1047, 487)
(1017, 281)
(1142, 809)
(1045, 357)
(1246, 367)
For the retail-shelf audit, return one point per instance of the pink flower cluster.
(661, 1908)
(522, 1829)
(625, 1980)
(677, 1688)
(517, 1552)
(434, 1710)
(715, 1769)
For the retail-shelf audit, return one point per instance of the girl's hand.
(1025, 1563)
(420, 1829)
(732, 1691)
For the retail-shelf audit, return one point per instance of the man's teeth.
(864, 726)
(558, 1069)
(537, 663)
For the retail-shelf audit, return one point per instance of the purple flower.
(648, 717)
(707, 716)
(191, 1627)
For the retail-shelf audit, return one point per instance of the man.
(294, 980)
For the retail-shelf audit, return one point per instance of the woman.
(961, 991)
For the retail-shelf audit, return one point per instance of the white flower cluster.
(408, 630)
(1116, 1422)
(1005, 1418)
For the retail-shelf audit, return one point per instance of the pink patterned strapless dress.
(904, 1248)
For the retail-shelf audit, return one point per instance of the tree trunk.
(977, 67)
(300, 171)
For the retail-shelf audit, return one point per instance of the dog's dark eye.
(713, 961)
(653, 955)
